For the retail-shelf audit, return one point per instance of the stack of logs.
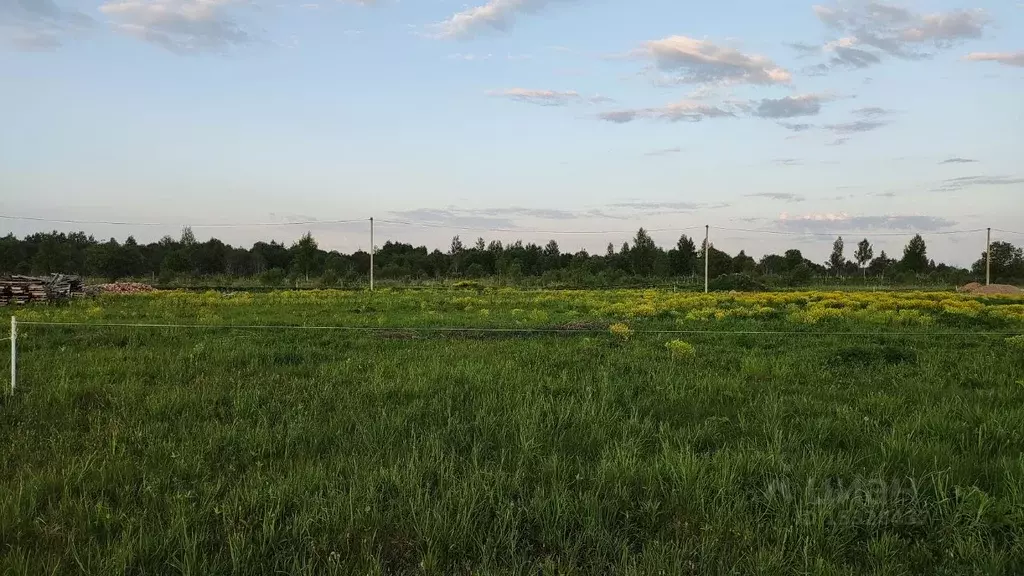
(25, 289)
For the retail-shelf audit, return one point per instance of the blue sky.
(511, 118)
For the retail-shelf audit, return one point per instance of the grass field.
(602, 432)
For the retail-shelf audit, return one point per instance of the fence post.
(14, 353)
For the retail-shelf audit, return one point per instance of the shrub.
(738, 282)
(680, 349)
(620, 331)
(800, 275)
(272, 277)
(1016, 342)
(329, 279)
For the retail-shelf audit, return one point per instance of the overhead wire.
(526, 230)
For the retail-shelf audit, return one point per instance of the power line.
(167, 224)
(442, 226)
(457, 329)
(528, 230)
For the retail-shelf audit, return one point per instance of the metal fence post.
(14, 353)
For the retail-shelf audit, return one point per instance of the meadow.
(502, 431)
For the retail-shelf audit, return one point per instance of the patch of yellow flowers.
(541, 307)
(680, 349)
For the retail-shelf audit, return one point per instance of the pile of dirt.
(122, 288)
(975, 288)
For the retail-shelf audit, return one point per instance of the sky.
(779, 124)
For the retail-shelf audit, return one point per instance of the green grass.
(183, 451)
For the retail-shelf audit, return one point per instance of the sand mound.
(975, 288)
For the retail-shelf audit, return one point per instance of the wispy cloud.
(855, 127)
(783, 196)
(842, 222)
(37, 25)
(700, 61)
(181, 26)
(958, 160)
(499, 15)
(956, 184)
(547, 97)
(662, 207)
(870, 31)
(872, 112)
(469, 57)
(870, 118)
(1007, 58)
(685, 111)
(796, 127)
(663, 152)
(690, 110)
(784, 162)
(791, 106)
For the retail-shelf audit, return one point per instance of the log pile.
(26, 289)
(123, 288)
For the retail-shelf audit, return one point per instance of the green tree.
(793, 259)
(880, 265)
(457, 253)
(743, 264)
(836, 261)
(683, 259)
(306, 251)
(863, 255)
(1007, 262)
(915, 256)
(643, 254)
(187, 237)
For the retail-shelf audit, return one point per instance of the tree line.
(277, 264)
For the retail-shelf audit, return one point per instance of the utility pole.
(372, 250)
(707, 254)
(988, 258)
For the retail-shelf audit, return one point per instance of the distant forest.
(275, 264)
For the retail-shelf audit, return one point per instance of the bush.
(272, 277)
(800, 275)
(738, 282)
(329, 279)
(620, 331)
(468, 285)
(680, 349)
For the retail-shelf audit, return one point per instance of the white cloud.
(181, 26)
(494, 15)
(1007, 58)
(870, 31)
(701, 61)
